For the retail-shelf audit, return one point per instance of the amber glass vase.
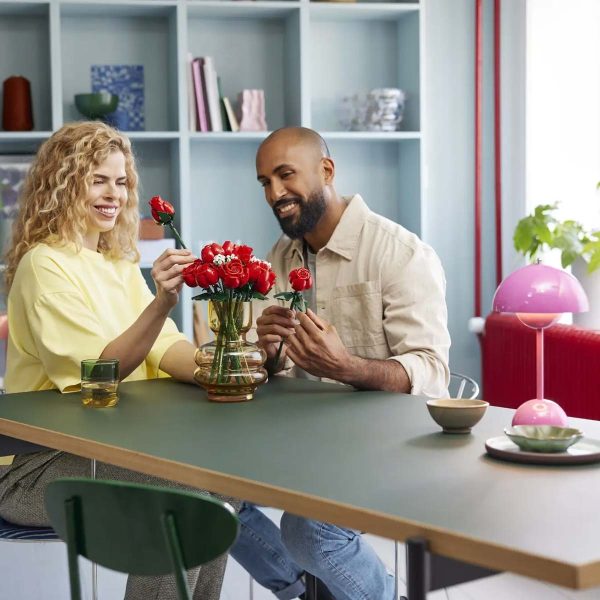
(230, 368)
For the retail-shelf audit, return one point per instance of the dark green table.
(374, 461)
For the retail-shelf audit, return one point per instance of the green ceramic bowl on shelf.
(96, 105)
(543, 438)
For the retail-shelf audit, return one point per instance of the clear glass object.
(381, 109)
(99, 382)
(230, 368)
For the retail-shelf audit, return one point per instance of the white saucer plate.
(585, 451)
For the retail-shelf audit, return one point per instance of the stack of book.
(209, 109)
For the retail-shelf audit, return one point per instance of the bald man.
(379, 291)
(377, 321)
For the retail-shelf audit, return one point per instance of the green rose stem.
(176, 234)
(297, 303)
(229, 312)
(166, 218)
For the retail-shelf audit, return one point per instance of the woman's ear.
(327, 170)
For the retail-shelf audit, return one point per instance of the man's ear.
(327, 170)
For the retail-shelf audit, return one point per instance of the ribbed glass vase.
(230, 368)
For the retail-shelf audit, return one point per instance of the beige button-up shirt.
(384, 291)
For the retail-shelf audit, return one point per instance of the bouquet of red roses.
(230, 271)
(229, 368)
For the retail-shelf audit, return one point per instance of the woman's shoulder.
(44, 255)
(45, 268)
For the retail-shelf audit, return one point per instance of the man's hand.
(317, 348)
(275, 324)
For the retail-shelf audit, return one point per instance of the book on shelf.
(233, 122)
(192, 117)
(224, 119)
(200, 95)
(212, 94)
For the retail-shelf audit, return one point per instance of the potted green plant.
(579, 248)
(541, 231)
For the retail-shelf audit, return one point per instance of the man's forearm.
(371, 374)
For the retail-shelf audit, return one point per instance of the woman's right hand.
(275, 324)
(166, 273)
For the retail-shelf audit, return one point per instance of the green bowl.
(456, 415)
(543, 438)
(96, 105)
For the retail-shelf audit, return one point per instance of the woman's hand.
(166, 273)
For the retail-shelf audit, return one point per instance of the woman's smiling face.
(106, 198)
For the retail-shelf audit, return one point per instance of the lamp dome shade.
(540, 288)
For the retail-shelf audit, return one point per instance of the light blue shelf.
(228, 136)
(305, 55)
(361, 11)
(241, 8)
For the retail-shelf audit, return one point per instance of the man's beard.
(310, 212)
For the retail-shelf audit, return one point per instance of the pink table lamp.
(538, 294)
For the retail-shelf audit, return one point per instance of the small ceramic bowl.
(97, 104)
(543, 438)
(456, 415)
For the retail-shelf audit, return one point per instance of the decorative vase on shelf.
(230, 368)
(17, 113)
(252, 110)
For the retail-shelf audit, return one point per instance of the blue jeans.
(339, 557)
(261, 552)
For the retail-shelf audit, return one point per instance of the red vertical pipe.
(478, 123)
(497, 141)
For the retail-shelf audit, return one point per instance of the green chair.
(138, 529)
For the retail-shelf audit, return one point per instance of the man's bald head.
(294, 168)
(309, 139)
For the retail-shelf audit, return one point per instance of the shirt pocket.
(357, 313)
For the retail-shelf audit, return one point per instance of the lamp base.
(540, 412)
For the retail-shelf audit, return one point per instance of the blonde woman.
(75, 291)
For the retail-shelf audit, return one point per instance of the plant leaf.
(591, 250)
(258, 295)
(219, 296)
(285, 295)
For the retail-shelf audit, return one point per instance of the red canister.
(16, 108)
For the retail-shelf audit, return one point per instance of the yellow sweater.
(65, 306)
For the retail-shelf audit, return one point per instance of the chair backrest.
(463, 386)
(138, 529)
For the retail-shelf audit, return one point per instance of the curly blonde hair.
(52, 205)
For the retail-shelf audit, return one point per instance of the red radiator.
(571, 365)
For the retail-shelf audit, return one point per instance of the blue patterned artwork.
(127, 81)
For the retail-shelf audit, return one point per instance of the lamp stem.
(539, 357)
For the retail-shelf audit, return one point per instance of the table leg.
(94, 565)
(417, 568)
(396, 570)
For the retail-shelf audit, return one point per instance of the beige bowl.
(457, 415)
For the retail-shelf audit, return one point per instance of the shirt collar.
(345, 236)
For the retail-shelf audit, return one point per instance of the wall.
(448, 220)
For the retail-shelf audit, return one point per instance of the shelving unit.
(305, 55)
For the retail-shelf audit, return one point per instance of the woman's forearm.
(134, 344)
